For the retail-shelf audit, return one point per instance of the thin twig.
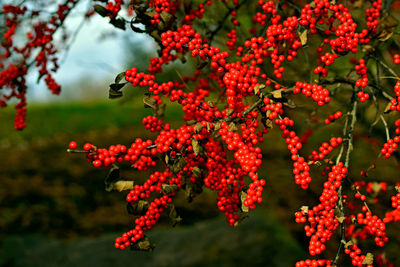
(222, 22)
(385, 66)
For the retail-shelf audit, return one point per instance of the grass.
(47, 120)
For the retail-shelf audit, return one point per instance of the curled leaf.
(138, 208)
(114, 91)
(243, 196)
(340, 219)
(160, 111)
(369, 259)
(277, 93)
(178, 165)
(303, 38)
(197, 172)
(304, 209)
(196, 146)
(232, 127)
(143, 245)
(119, 77)
(168, 189)
(198, 127)
(192, 189)
(387, 108)
(149, 102)
(123, 185)
(102, 11)
(173, 215)
(229, 112)
(118, 23)
(348, 244)
(242, 216)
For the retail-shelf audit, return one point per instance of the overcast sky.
(91, 57)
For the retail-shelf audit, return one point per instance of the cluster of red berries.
(114, 7)
(152, 123)
(372, 15)
(14, 78)
(195, 13)
(397, 124)
(325, 149)
(395, 102)
(314, 263)
(321, 218)
(232, 38)
(315, 91)
(162, 6)
(328, 58)
(144, 222)
(40, 39)
(394, 215)
(361, 69)
(363, 96)
(139, 155)
(355, 254)
(372, 226)
(390, 146)
(333, 117)
(396, 59)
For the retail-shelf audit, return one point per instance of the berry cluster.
(396, 59)
(321, 218)
(325, 149)
(114, 8)
(394, 215)
(355, 254)
(333, 117)
(390, 146)
(315, 91)
(152, 123)
(40, 39)
(395, 102)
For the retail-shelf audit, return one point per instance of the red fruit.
(72, 145)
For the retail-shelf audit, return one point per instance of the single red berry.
(87, 146)
(72, 145)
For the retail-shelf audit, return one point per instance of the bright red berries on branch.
(247, 75)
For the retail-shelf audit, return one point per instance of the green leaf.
(197, 172)
(198, 127)
(173, 215)
(143, 245)
(369, 259)
(242, 216)
(243, 196)
(115, 182)
(232, 127)
(119, 77)
(168, 189)
(160, 110)
(192, 189)
(112, 94)
(149, 102)
(112, 177)
(102, 11)
(138, 208)
(178, 165)
(118, 23)
(114, 91)
(196, 147)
